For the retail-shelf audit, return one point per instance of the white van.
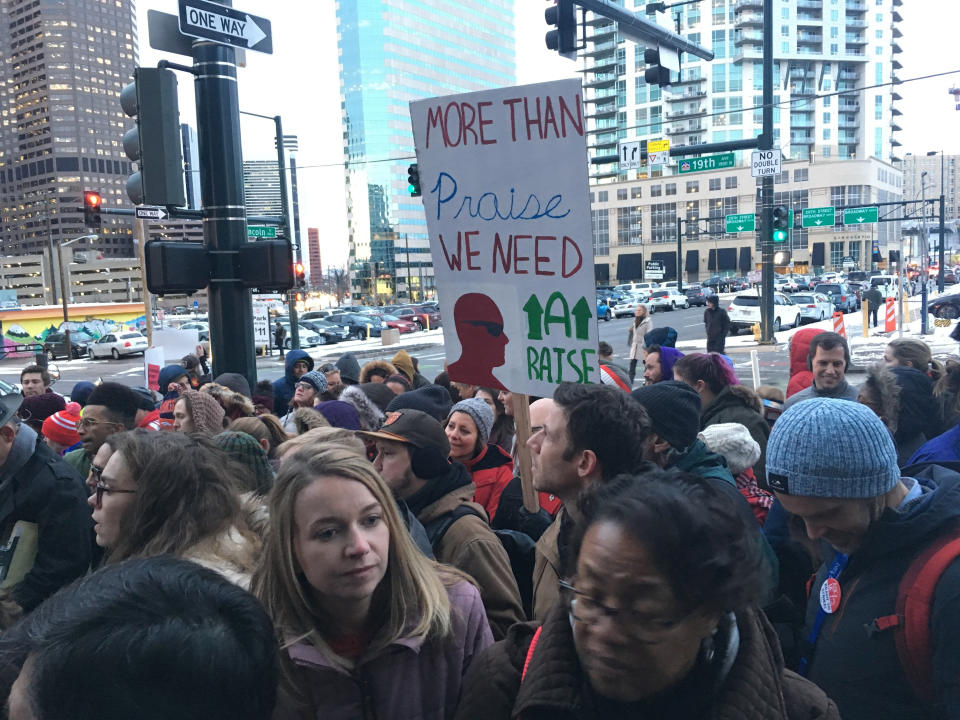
(641, 287)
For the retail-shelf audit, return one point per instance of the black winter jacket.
(47, 491)
(861, 670)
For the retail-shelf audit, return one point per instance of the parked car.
(696, 295)
(668, 299)
(844, 300)
(947, 307)
(813, 306)
(202, 328)
(603, 310)
(327, 332)
(308, 337)
(629, 306)
(744, 311)
(358, 325)
(644, 287)
(404, 326)
(114, 345)
(794, 283)
(55, 344)
(315, 314)
(418, 315)
(722, 284)
(858, 289)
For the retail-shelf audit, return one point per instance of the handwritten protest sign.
(505, 190)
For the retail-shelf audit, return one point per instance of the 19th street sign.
(225, 25)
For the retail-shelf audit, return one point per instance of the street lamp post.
(65, 290)
(925, 256)
(940, 253)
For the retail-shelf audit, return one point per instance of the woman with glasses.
(369, 627)
(162, 493)
(658, 620)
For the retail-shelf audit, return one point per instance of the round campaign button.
(830, 595)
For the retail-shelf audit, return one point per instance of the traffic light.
(91, 209)
(656, 74)
(413, 180)
(781, 223)
(154, 144)
(781, 257)
(300, 276)
(562, 15)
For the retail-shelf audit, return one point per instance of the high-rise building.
(391, 53)
(313, 254)
(820, 48)
(62, 67)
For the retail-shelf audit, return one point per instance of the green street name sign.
(710, 162)
(261, 231)
(859, 216)
(745, 222)
(818, 217)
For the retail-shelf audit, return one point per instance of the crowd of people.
(351, 541)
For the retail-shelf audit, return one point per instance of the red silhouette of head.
(479, 327)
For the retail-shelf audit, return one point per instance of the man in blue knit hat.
(833, 464)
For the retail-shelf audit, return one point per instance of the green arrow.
(534, 311)
(551, 319)
(581, 313)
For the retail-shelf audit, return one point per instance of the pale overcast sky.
(300, 82)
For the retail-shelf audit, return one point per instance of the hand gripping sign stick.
(521, 420)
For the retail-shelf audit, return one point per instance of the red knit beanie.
(61, 427)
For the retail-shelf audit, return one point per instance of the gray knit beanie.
(480, 412)
(825, 447)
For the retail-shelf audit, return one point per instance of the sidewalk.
(368, 348)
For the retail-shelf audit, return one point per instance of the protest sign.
(506, 195)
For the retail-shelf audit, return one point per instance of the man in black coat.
(874, 301)
(44, 493)
(718, 325)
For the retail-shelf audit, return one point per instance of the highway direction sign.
(818, 217)
(225, 25)
(744, 222)
(859, 216)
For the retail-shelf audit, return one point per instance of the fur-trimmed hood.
(234, 404)
(371, 417)
(366, 370)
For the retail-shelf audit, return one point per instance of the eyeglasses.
(638, 626)
(494, 328)
(305, 386)
(101, 487)
(89, 423)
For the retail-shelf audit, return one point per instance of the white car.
(202, 328)
(813, 306)
(641, 287)
(308, 338)
(667, 299)
(744, 311)
(116, 344)
(629, 306)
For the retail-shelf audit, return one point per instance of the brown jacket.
(470, 545)
(546, 570)
(756, 687)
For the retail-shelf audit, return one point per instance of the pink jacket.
(408, 680)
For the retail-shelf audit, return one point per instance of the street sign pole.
(679, 254)
(766, 188)
(225, 222)
(288, 229)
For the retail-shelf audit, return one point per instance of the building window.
(719, 78)
(602, 196)
(854, 251)
(670, 189)
(801, 174)
(715, 216)
(629, 225)
(601, 231)
(785, 30)
(635, 192)
(621, 193)
(656, 190)
(878, 108)
(837, 194)
(663, 222)
(693, 186)
(719, 44)
(730, 182)
(826, 133)
(836, 254)
(692, 227)
(714, 183)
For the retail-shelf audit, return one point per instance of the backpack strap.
(438, 527)
(912, 623)
(533, 646)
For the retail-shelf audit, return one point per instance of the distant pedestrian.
(641, 326)
(279, 338)
(874, 300)
(717, 324)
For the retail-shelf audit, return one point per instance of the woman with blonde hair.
(163, 493)
(352, 597)
(642, 324)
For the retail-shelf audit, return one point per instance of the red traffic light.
(92, 199)
(298, 268)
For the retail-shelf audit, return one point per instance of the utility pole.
(224, 213)
(406, 241)
(285, 210)
(679, 253)
(940, 258)
(766, 188)
(925, 258)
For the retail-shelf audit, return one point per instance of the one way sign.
(226, 25)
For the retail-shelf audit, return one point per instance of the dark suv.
(696, 295)
(844, 299)
(55, 344)
(358, 325)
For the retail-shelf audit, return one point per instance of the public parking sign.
(653, 270)
(225, 25)
(765, 162)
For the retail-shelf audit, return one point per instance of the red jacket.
(800, 376)
(492, 471)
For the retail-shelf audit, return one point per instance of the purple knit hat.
(339, 414)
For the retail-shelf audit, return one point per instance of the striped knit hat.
(61, 427)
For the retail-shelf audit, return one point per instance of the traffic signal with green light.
(781, 224)
(91, 209)
(413, 180)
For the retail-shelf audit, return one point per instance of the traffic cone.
(838, 326)
(891, 323)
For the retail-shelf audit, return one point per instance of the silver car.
(813, 306)
(116, 344)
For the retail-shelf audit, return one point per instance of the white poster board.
(261, 325)
(506, 195)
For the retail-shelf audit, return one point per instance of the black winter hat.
(431, 399)
(379, 394)
(349, 368)
(674, 410)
